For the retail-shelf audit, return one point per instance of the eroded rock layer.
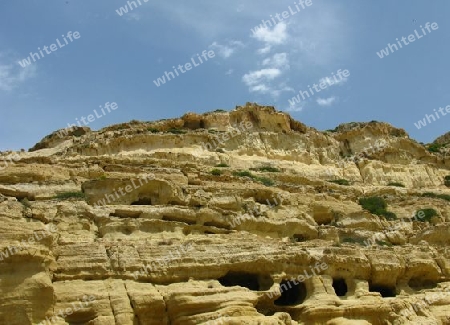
(240, 217)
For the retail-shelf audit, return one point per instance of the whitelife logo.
(411, 38)
(324, 83)
(90, 118)
(284, 15)
(423, 123)
(124, 10)
(188, 66)
(26, 62)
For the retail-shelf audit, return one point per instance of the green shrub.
(377, 205)
(222, 165)
(265, 181)
(434, 147)
(436, 196)
(266, 169)
(244, 173)
(373, 203)
(70, 195)
(425, 215)
(396, 184)
(103, 177)
(153, 130)
(391, 216)
(353, 240)
(176, 131)
(340, 181)
(447, 180)
(216, 172)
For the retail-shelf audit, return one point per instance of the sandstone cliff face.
(129, 225)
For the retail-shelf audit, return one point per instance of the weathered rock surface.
(128, 225)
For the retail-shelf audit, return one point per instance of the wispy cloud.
(13, 75)
(133, 16)
(296, 107)
(326, 101)
(255, 77)
(226, 50)
(272, 36)
(278, 60)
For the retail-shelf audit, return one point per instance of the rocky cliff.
(239, 217)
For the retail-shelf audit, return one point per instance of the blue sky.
(117, 58)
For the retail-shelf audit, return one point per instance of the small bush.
(377, 205)
(373, 203)
(265, 181)
(244, 173)
(220, 150)
(353, 240)
(222, 165)
(70, 195)
(447, 180)
(340, 182)
(216, 172)
(103, 177)
(153, 130)
(391, 216)
(436, 196)
(176, 131)
(434, 147)
(266, 169)
(396, 184)
(220, 111)
(424, 215)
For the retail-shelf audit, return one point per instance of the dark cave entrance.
(291, 294)
(143, 201)
(340, 287)
(385, 291)
(254, 282)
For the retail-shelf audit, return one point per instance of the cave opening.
(299, 238)
(291, 293)
(385, 291)
(254, 282)
(419, 284)
(340, 287)
(143, 201)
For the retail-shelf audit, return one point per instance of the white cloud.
(133, 16)
(225, 51)
(297, 107)
(11, 76)
(279, 60)
(255, 77)
(261, 88)
(326, 101)
(264, 50)
(260, 82)
(275, 36)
